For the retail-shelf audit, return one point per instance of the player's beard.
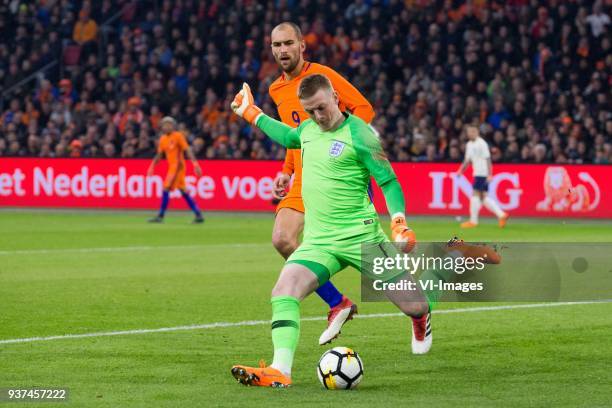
(293, 63)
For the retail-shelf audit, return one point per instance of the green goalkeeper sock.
(285, 331)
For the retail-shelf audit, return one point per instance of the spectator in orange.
(45, 93)
(155, 117)
(66, 93)
(221, 139)
(268, 66)
(210, 112)
(469, 10)
(317, 36)
(85, 30)
(85, 33)
(356, 56)
(583, 48)
(75, 148)
(31, 114)
(341, 42)
(132, 114)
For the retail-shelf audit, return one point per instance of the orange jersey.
(284, 92)
(173, 146)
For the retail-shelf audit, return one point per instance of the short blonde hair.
(312, 83)
(168, 119)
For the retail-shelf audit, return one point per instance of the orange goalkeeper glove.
(401, 233)
(244, 106)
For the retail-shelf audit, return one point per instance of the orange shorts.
(291, 200)
(174, 180)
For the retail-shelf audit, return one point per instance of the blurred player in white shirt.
(477, 154)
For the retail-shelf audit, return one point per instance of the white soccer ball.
(340, 369)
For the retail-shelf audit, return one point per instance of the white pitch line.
(129, 248)
(307, 319)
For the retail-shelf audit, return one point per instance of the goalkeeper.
(339, 154)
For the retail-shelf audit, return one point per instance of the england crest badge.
(336, 149)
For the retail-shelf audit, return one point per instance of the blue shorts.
(480, 184)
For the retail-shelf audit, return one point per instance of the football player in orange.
(288, 48)
(174, 147)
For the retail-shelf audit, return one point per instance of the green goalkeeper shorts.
(325, 259)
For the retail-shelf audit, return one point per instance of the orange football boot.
(468, 224)
(260, 377)
(503, 219)
(474, 251)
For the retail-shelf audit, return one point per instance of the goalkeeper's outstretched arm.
(279, 132)
(244, 106)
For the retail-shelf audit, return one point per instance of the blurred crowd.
(535, 75)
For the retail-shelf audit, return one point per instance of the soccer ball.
(340, 369)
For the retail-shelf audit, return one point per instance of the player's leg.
(165, 200)
(475, 206)
(421, 327)
(179, 182)
(169, 185)
(415, 305)
(288, 225)
(475, 202)
(193, 206)
(296, 281)
(495, 209)
(412, 303)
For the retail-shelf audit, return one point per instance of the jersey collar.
(344, 122)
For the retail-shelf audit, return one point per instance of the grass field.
(73, 273)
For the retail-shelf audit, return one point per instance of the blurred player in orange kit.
(174, 147)
(288, 50)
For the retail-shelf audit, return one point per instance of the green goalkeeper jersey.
(336, 170)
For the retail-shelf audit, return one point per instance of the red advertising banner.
(234, 185)
(534, 190)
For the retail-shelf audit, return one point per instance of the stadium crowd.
(535, 75)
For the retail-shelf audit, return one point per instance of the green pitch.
(71, 273)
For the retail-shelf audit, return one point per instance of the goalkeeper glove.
(244, 106)
(402, 234)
